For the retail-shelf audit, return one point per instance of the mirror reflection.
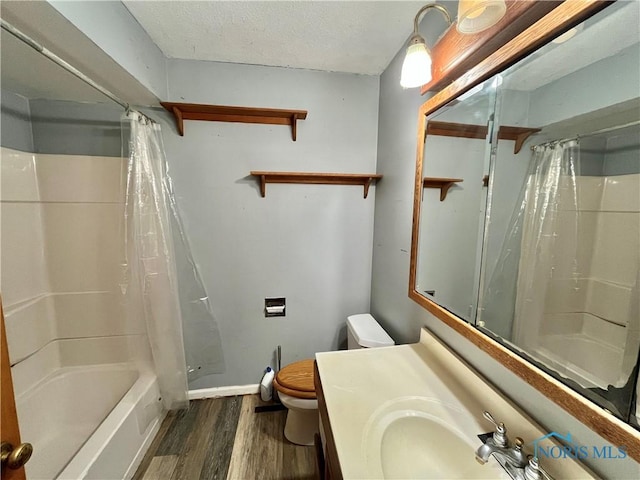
(552, 244)
(456, 166)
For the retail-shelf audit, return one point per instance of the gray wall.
(60, 127)
(392, 241)
(615, 78)
(15, 122)
(309, 243)
(75, 128)
(112, 28)
(622, 155)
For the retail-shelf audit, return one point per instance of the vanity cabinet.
(329, 453)
(414, 411)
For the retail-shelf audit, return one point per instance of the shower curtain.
(160, 279)
(550, 240)
(532, 261)
(149, 272)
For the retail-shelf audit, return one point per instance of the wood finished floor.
(223, 438)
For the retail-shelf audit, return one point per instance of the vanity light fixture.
(416, 69)
(477, 15)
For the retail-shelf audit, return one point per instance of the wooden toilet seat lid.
(297, 377)
(293, 393)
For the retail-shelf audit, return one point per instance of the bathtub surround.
(60, 224)
(583, 320)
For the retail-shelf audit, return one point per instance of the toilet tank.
(364, 332)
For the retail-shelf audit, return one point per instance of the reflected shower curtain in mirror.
(149, 282)
(549, 258)
(540, 250)
(566, 286)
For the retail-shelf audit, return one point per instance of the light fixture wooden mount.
(444, 184)
(465, 130)
(364, 179)
(456, 53)
(221, 113)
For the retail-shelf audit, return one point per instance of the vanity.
(415, 411)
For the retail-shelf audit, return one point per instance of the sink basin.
(422, 438)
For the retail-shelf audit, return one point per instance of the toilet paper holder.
(275, 307)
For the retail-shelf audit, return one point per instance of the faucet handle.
(532, 470)
(500, 435)
(519, 458)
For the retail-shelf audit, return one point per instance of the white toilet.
(295, 382)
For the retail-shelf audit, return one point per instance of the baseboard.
(224, 391)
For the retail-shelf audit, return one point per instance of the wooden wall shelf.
(461, 130)
(220, 113)
(363, 179)
(444, 184)
(517, 134)
(465, 130)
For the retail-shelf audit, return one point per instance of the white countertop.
(361, 386)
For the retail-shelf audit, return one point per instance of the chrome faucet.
(511, 457)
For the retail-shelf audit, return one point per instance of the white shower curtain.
(550, 239)
(149, 268)
(531, 260)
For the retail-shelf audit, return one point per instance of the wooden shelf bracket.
(517, 134)
(444, 184)
(364, 179)
(221, 113)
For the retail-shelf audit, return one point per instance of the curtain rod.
(590, 134)
(65, 65)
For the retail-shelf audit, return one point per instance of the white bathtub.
(586, 361)
(117, 447)
(584, 348)
(86, 421)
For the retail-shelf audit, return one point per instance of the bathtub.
(93, 420)
(584, 348)
(116, 448)
(584, 360)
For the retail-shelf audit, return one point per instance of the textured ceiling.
(341, 36)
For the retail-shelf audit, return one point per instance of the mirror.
(454, 195)
(561, 270)
(549, 246)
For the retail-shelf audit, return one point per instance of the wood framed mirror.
(564, 17)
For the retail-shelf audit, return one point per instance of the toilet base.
(301, 426)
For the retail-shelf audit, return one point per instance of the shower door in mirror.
(456, 168)
(561, 266)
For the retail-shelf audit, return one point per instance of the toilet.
(295, 382)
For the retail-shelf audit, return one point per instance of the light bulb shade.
(416, 69)
(477, 15)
